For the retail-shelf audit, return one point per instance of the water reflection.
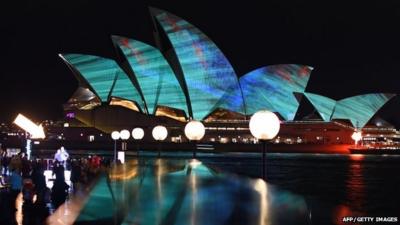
(185, 192)
(193, 186)
(261, 187)
(355, 186)
(355, 191)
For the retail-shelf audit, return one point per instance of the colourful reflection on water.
(187, 192)
(355, 185)
(355, 190)
(357, 157)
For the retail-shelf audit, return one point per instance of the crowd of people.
(19, 175)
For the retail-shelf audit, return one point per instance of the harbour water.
(334, 186)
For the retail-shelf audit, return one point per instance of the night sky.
(354, 48)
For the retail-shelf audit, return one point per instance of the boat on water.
(375, 150)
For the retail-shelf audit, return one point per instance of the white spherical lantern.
(138, 133)
(264, 125)
(125, 134)
(159, 133)
(195, 130)
(115, 135)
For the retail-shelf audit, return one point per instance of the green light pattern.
(322, 104)
(272, 88)
(155, 76)
(156, 199)
(104, 75)
(360, 109)
(123, 88)
(99, 73)
(169, 192)
(207, 73)
(99, 200)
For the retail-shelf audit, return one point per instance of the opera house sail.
(104, 77)
(271, 88)
(360, 109)
(159, 85)
(322, 104)
(207, 73)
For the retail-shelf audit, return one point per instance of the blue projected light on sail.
(361, 108)
(322, 104)
(207, 73)
(155, 76)
(104, 76)
(272, 88)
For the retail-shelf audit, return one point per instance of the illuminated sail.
(104, 76)
(361, 108)
(155, 76)
(207, 73)
(272, 88)
(322, 104)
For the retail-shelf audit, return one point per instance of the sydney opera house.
(186, 76)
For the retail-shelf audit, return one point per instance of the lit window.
(223, 140)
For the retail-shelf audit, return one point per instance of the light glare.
(30, 127)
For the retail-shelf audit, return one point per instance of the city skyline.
(352, 51)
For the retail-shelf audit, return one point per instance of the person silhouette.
(59, 191)
(62, 156)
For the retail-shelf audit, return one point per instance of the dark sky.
(353, 47)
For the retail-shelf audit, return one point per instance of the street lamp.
(194, 131)
(115, 135)
(125, 134)
(159, 134)
(137, 134)
(356, 136)
(264, 125)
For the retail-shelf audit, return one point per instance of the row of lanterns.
(264, 125)
(137, 134)
(194, 131)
